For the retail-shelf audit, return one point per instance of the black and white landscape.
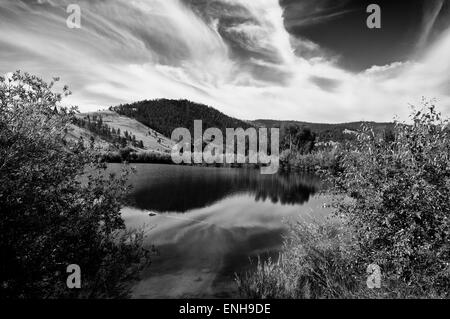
(354, 96)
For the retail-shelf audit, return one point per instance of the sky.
(306, 60)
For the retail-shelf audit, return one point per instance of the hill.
(166, 115)
(329, 132)
(124, 129)
(146, 125)
(76, 133)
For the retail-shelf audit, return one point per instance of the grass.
(313, 264)
(320, 260)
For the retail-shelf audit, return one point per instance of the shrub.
(58, 206)
(392, 209)
(400, 209)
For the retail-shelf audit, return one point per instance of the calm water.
(210, 222)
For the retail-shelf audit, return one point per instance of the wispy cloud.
(239, 59)
(430, 16)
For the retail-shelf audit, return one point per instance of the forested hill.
(330, 132)
(164, 115)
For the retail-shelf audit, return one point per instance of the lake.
(209, 223)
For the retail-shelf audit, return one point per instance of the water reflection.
(228, 216)
(181, 188)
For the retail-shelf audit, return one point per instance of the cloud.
(430, 16)
(235, 55)
(325, 83)
(311, 12)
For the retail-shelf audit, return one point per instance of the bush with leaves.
(58, 206)
(392, 201)
(400, 212)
